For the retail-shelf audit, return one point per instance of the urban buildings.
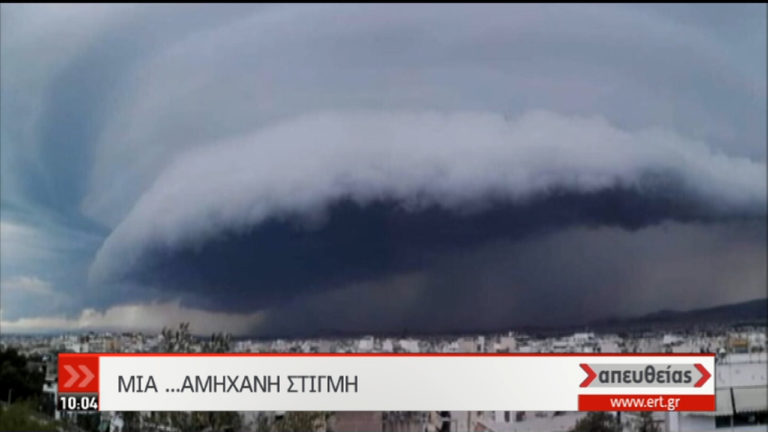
(741, 384)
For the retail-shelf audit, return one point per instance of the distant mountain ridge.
(752, 312)
(746, 312)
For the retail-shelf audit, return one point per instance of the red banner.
(646, 402)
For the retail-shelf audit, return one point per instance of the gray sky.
(268, 167)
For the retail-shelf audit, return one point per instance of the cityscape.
(384, 178)
(741, 380)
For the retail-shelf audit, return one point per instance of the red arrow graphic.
(88, 376)
(78, 373)
(73, 376)
(591, 375)
(705, 375)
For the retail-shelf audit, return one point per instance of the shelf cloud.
(292, 161)
(315, 194)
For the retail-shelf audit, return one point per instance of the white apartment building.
(741, 386)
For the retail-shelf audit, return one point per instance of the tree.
(131, 421)
(301, 421)
(219, 343)
(216, 421)
(88, 421)
(645, 423)
(179, 340)
(17, 382)
(21, 416)
(597, 422)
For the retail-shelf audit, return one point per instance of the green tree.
(597, 422)
(17, 381)
(21, 416)
(88, 421)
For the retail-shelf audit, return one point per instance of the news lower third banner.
(386, 382)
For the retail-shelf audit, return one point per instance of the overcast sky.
(300, 169)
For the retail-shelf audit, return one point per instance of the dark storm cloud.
(286, 257)
(305, 157)
(568, 277)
